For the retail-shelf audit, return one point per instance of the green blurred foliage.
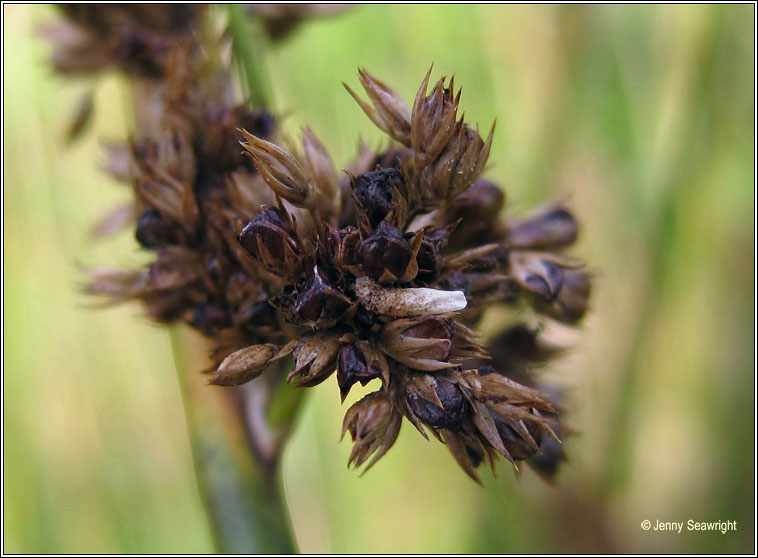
(641, 116)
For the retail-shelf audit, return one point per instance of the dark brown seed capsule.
(517, 447)
(476, 455)
(144, 54)
(522, 343)
(537, 285)
(153, 231)
(456, 281)
(553, 275)
(547, 461)
(351, 368)
(320, 300)
(541, 277)
(374, 192)
(344, 245)
(548, 229)
(478, 208)
(514, 350)
(571, 302)
(385, 251)
(270, 239)
(429, 257)
(449, 415)
(260, 123)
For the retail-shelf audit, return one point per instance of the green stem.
(247, 49)
(243, 496)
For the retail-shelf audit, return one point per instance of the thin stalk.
(244, 497)
(247, 42)
(236, 443)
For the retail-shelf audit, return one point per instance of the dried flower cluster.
(378, 273)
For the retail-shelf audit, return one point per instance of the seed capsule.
(550, 456)
(245, 364)
(315, 358)
(517, 446)
(210, 318)
(571, 302)
(352, 368)
(429, 257)
(320, 168)
(477, 208)
(386, 256)
(436, 401)
(433, 118)
(271, 240)
(549, 228)
(320, 301)
(537, 273)
(374, 192)
(420, 343)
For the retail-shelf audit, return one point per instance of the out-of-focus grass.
(641, 116)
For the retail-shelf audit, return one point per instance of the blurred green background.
(642, 117)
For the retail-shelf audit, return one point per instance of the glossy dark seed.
(552, 229)
(451, 413)
(320, 299)
(429, 257)
(351, 368)
(274, 232)
(547, 461)
(385, 249)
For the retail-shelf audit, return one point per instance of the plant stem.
(243, 496)
(246, 48)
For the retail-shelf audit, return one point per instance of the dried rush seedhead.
(379, 274)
